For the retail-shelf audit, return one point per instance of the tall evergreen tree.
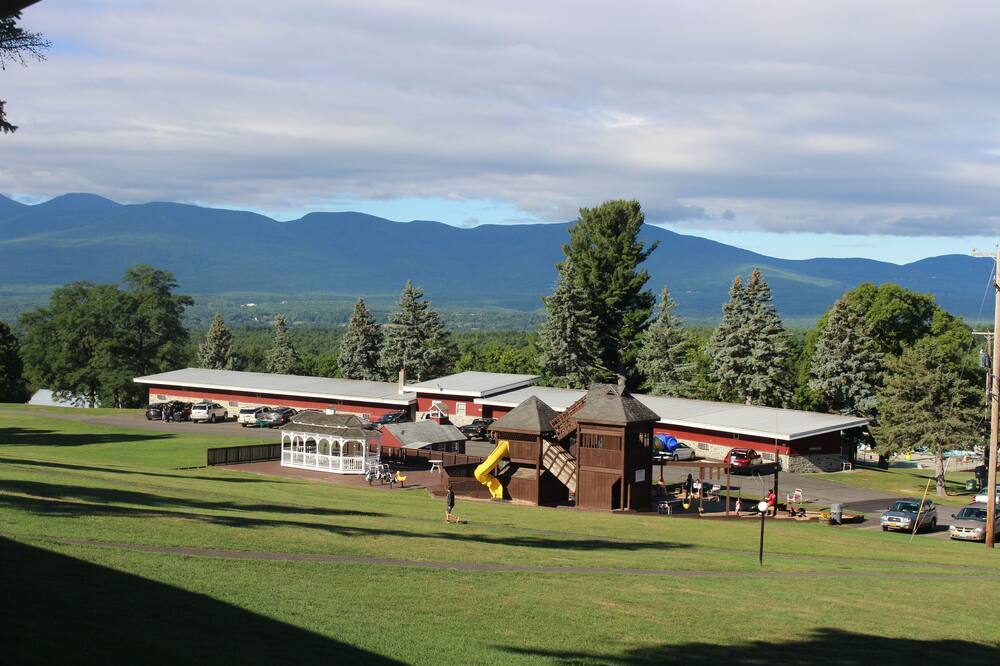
(361, 345)
(846, 370)
(606, 256)
(931, 399)
(768, 371)
(729, 346)
(664, 355)
(282, 358)
(415, 339)
(568, 341)
(11, 369)
(216, 352)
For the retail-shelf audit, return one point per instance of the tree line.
(881, 352)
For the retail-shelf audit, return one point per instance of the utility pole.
(991, 468)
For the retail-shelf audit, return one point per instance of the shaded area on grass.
(40, 437)
(61, 610)
(114, 470)
(105, 497)
(60, 500)
(823, 647)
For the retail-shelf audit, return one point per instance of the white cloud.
(795, 117)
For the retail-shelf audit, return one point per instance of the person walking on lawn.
(449, 505)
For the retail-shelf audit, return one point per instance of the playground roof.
(419, 434)
(474, 384)
(771, 422)
(290, 385)
(532, 416)
(607, 403)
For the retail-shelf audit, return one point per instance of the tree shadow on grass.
(58, 500)
(825, 646)
(62, 610)
(106, 497)
(227, 478)
(40, 437)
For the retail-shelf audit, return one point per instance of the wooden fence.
(418, 456)
(234, 455)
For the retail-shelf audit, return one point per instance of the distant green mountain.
(344, 255)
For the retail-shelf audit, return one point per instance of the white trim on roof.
(472, 384)
(405, 399)
(831, 422)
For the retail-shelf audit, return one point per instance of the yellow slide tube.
(483, 475)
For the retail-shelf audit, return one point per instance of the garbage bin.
(837, 514)
(970, 484)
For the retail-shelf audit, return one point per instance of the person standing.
(449, 505)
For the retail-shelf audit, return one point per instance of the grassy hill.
(130, 556)
(335, 257)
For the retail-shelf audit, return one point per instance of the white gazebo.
(336, 443)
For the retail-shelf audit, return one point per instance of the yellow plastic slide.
(483, 475)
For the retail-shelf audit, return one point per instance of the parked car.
(681, 452)
(969, 524)
(274, 417)
(983, 495)
(248, 415)
(179, 411)
(208, 411)
(391, 417)
(902, 514)
(478, 429)
(743, 458)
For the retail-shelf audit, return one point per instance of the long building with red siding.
(800, 440)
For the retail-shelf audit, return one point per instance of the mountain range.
(344, 255)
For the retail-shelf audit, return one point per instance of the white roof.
(290, 385)
(771, 422)
(556, 398)
(474, 384)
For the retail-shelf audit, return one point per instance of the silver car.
(969, 524)
(903, 514)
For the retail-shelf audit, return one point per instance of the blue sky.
(793, 129)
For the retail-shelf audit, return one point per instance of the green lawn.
(907, 482)
(76, 481)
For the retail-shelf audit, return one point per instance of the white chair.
(795, 497)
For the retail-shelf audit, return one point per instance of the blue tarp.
(668, 443)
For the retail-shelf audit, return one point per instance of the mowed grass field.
(112, 553)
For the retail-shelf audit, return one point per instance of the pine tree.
(216, 352)
(282, 358)
(846, 369)
(11, 369)
(768, 370)
(360, 346)
(664, 354)
(729, 347)
(570, 351)
(931, 399)
(606, 256)
(415, 339)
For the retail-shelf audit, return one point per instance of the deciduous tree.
(12, 387)
(931, 399)
(361, 345)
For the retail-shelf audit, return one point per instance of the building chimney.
(402, 381)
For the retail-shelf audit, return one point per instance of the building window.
(160, 396)
(767, 456)
(459, 409)
(234, 403)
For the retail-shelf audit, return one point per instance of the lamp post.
(762, 508)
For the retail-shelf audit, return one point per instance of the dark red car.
(743, 458)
